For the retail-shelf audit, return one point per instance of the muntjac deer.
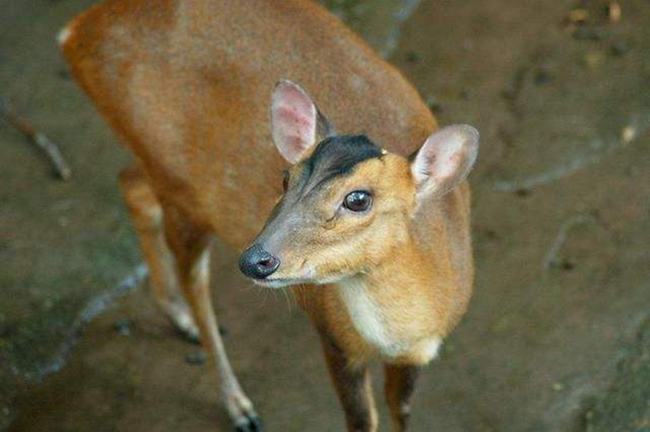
(370, 226)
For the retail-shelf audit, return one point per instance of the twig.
(551, 258)
(93, 308)
(637, 126)
(40, 139)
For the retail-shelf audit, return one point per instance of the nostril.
(267, 265)
(257, 263)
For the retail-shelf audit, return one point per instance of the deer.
(341, 189)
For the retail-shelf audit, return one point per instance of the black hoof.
(249, 424)
(190, 337)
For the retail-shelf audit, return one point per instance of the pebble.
(196, 358)
(567, 265)
(434, 104)
(542, 76)
(619, 49)
(628, 133)
(412, 57)
(523, 192)
(64, 74)
(123, 326)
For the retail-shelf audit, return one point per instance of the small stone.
(491, 234)
(196, 358)
(567, 265)
(412, 57)
(628, 133)
(558, 386)
(619, 49)
(63, 74)
(434, 104)
(515, 83)
(123, 327)
(523, 192)
(542, 76)
(509, 93)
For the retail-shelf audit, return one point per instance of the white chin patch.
(280, 283)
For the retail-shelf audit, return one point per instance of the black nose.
(257, 263)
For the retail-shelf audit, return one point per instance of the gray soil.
(557, 337)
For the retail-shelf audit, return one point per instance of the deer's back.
(187, 84)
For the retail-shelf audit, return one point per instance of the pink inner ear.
(293, 117)
(445, 158)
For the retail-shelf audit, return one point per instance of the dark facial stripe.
(337, 156)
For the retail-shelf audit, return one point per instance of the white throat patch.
(366, 316)
(369, 322)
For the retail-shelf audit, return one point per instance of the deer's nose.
(257, 263)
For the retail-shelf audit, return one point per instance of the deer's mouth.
(283, 282)
(278, 282)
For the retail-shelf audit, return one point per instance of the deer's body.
(185, 84)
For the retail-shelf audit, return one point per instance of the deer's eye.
(285, 180)
(357, 201)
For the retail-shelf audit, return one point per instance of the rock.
(434, 104)
(196, 358)
(619, 49)
(523, 192)
(542, 76)
(412, 57)
(123, 326)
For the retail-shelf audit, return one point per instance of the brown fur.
(186, 85)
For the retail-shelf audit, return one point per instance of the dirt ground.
(558, 333)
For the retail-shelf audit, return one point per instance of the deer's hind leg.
(147, 217)
(178, 255)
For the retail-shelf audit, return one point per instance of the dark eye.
(357, 201)
(285, 180)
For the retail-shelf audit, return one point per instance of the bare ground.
(557, 337)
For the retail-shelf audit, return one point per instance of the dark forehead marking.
(336, 156)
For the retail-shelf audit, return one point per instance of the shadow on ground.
(557, 336)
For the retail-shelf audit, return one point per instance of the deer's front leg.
(399, 386)
(191, 247)
(353, 387)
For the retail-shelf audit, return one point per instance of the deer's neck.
(397, 308)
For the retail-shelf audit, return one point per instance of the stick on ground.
(40, 139)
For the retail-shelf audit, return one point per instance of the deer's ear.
(444, 160)
(296, 123)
